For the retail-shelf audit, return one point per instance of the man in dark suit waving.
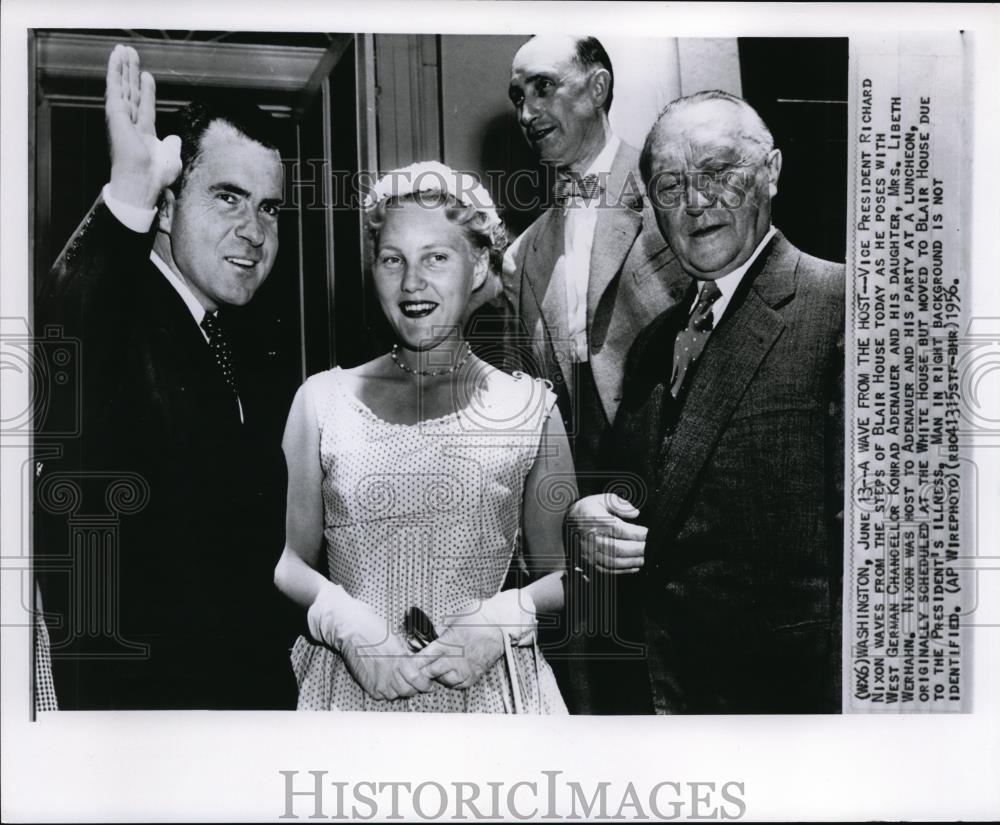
(733, 415)
(172, 606)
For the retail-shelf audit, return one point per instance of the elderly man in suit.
(733, 415)
(583, 280)
(174, 608)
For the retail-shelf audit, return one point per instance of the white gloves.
(376, 657)
(472, 642)
(468, 645)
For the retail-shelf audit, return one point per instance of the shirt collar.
(197, 311)
(729, 282)
(602, 163)
(601, 166)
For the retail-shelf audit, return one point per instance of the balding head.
(709, 110)
(562, 88)
(711, 169)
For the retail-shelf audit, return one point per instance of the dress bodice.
(426, 514)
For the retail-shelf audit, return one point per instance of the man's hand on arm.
(142, 166)
(608, 543)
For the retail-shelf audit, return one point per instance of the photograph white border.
(212, 766)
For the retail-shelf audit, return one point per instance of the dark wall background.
(478, 129)
(799, 87)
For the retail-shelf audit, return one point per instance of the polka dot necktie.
(219, 345)
(691, 340)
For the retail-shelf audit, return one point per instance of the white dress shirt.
(578, 243)
(139, 220)
(729, 282)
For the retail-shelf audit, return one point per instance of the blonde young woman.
(415, 477)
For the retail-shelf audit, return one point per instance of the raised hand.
(607, 542)
(142, 166)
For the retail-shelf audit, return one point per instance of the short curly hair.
(480, 229)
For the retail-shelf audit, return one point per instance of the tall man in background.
(583, 280)
(177, 610)
(581, 277)
(733, 415)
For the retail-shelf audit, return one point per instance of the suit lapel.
(653, 385)
(180, 344)
(172, 319)
(613, 238)
(549, 291)
(730, 360)
(619, 221)
(610, 364)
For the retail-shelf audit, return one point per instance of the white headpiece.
(432, 176)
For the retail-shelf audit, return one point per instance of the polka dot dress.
(45, 690)
(426, 515)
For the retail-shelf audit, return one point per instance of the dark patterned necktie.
(691, 340)
(587, 187)
(219, 345)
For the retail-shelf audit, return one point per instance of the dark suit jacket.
(157, 573)
(631, 270)
(744, 479)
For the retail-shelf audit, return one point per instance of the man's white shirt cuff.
(132, 217)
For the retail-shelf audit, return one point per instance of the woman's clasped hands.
(468, 644)
(376, 657)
